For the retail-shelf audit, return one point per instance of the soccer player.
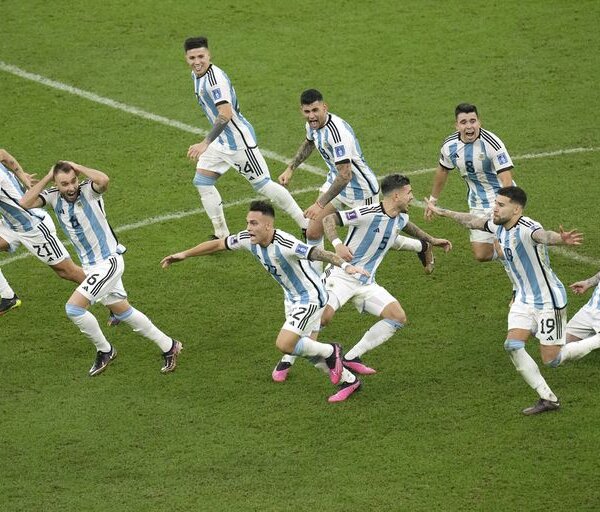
(33, 229)
(539, 308)
(79, 208)
(350, 181)
(288, 260)
(372, 230)
(230, 143)
(585, 325)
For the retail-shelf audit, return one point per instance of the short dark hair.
(393, 182)
(465, 108)
(515, 194)
(195, 42)
(310, 96)
(263, 207)
(61, 166)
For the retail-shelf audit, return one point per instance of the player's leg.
(423, 249)
(377, 301)
(204, 181)
(259, 177)
(582, 336)
(8, 298)
(140, 323)
(521, 324)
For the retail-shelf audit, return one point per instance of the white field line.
(9, 68)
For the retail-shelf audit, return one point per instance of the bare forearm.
(31, 198)
(330, 226)
(219, 125)
(416, 232)
(548, 237)
(318, 254)
(339, 183)
(303, 153)
(466, 219)
(594, 280)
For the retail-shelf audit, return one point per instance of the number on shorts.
(42, 250)
(547, 325)
(91, 280)
(298, 314)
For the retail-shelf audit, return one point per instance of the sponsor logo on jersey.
(217, 94)
(502, 158)
(340, 151)
(351, 215)
(302, 250)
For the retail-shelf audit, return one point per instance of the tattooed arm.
(466, 219)
(302, 154)
(224, 116)
(318, 254)
(572, 237)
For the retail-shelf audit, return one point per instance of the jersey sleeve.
(501, 159)
(445, 161)
(220, 90)
(350, 217)
(88, 190)
(488, 227)
(342, 147)
(300, 250)
(238, 241)
(49, 197)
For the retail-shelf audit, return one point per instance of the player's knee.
(327, 316)
(512, 345)
(200, 180)
(259, 186)
(394, 323)
(74, 311)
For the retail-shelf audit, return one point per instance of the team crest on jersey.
(302, 250)
(481, 156)
(502, 159)
(351, 215)
(216, 93)
(340, 151)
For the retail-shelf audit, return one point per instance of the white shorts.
(248, 162)
(342, 287)
(103, 281)
(547, 325)
(41, 241)
(303, 319)
(476, 235)
(341, 203)
(585, 323)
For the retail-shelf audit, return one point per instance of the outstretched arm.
(468, 220)
(208, 247)
(582, 286)
(415, 231)
(563, 237)
(318, 254)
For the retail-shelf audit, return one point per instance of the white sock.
(6, 292)
(375, 336)
(578, 349)
(320, 364)
(404, 243)
(141, 324)
(213, 204)
(318, 265)
(89, 326)
(307, 347)
(530, 372)
(282, 198)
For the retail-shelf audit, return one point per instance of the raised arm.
(466, 219)
(11, 163)
(415, 231)
(32, 198)
(208, 247)
(563, 237)
(224, 116)
(302, 154)
(98, 178)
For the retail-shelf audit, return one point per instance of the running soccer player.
(371, 234)
(33, 229)
(539, 308)
(230, 143)
(289, 261)
(79, 208)
(350, 181)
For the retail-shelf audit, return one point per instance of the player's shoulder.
(528, 224)
(491, 138)
(451, 139)
(215, 74)
(372, 209)
(284, 239)
(337, 127)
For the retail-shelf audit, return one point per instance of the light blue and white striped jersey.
(594, 301)
(214, 88)
(371, 234)
(337, 144)
(286, 259)
(479, 163)
(15, 216)
(84, 222)
(529, 265)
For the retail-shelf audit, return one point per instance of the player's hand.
(580, 287)
(572, 237)
(286, 177)
(443, 243)
(352, 270)
(195, 151)
(173, 258)
(29, 180)
(430, 209)
(344, 252)
(313, 211)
